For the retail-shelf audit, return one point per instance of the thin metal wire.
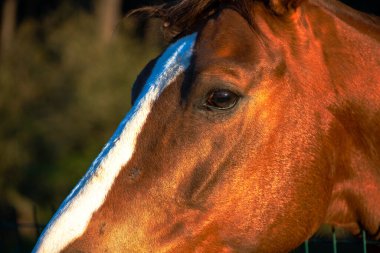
(364, 242)
(307, 246)
(334, 241)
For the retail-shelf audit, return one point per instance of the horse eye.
(221, 99)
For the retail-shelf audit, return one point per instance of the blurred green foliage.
(62, 94)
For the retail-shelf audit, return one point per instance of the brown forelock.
(260, 177)
(183, 17)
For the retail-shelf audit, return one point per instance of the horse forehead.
(229, 51)
(225, 35)
(228, 41)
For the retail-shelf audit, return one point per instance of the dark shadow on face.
(141, 79)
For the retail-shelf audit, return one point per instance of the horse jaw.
(355, 200)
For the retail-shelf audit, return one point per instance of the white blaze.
(72, 218)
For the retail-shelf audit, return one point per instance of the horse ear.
(282, 7)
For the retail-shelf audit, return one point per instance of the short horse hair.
(184, 16)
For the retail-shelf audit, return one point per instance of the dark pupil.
(222, 99)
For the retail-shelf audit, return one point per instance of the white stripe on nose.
(73, 216)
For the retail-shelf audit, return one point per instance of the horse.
(257, 124)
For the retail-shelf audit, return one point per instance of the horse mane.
(183, 16)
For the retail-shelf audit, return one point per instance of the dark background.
(66, 69)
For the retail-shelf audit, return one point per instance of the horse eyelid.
(208, 106)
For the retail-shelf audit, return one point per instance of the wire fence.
(12, 241)
(334, 245)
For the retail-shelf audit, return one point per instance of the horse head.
(257, 124)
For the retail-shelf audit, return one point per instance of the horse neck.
(347, 45)
(351, 47)
(350, 41)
